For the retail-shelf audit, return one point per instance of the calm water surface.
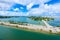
(55, 22)
(16, 34)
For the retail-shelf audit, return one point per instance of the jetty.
(48, 28)
(51, 28)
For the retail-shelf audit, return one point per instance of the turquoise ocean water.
(55, 22)
(16, 34)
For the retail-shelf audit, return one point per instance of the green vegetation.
(5, 16)
(8, 16)
(40, 18)
(50, 31)
(58, 25)
(21, 23)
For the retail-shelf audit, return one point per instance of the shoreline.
(35, 28)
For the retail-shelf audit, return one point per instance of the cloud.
(45, 8)
(52, 9)
(25, 2)
(29, 6)
(9, 13)
(5, 5)
(16, 9)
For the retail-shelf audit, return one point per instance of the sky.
(30, 7)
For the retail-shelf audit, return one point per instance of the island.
(41, 18)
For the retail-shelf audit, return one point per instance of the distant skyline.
(30, 7)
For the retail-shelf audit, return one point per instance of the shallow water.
(55, 22)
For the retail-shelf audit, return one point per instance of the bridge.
(47, 24)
